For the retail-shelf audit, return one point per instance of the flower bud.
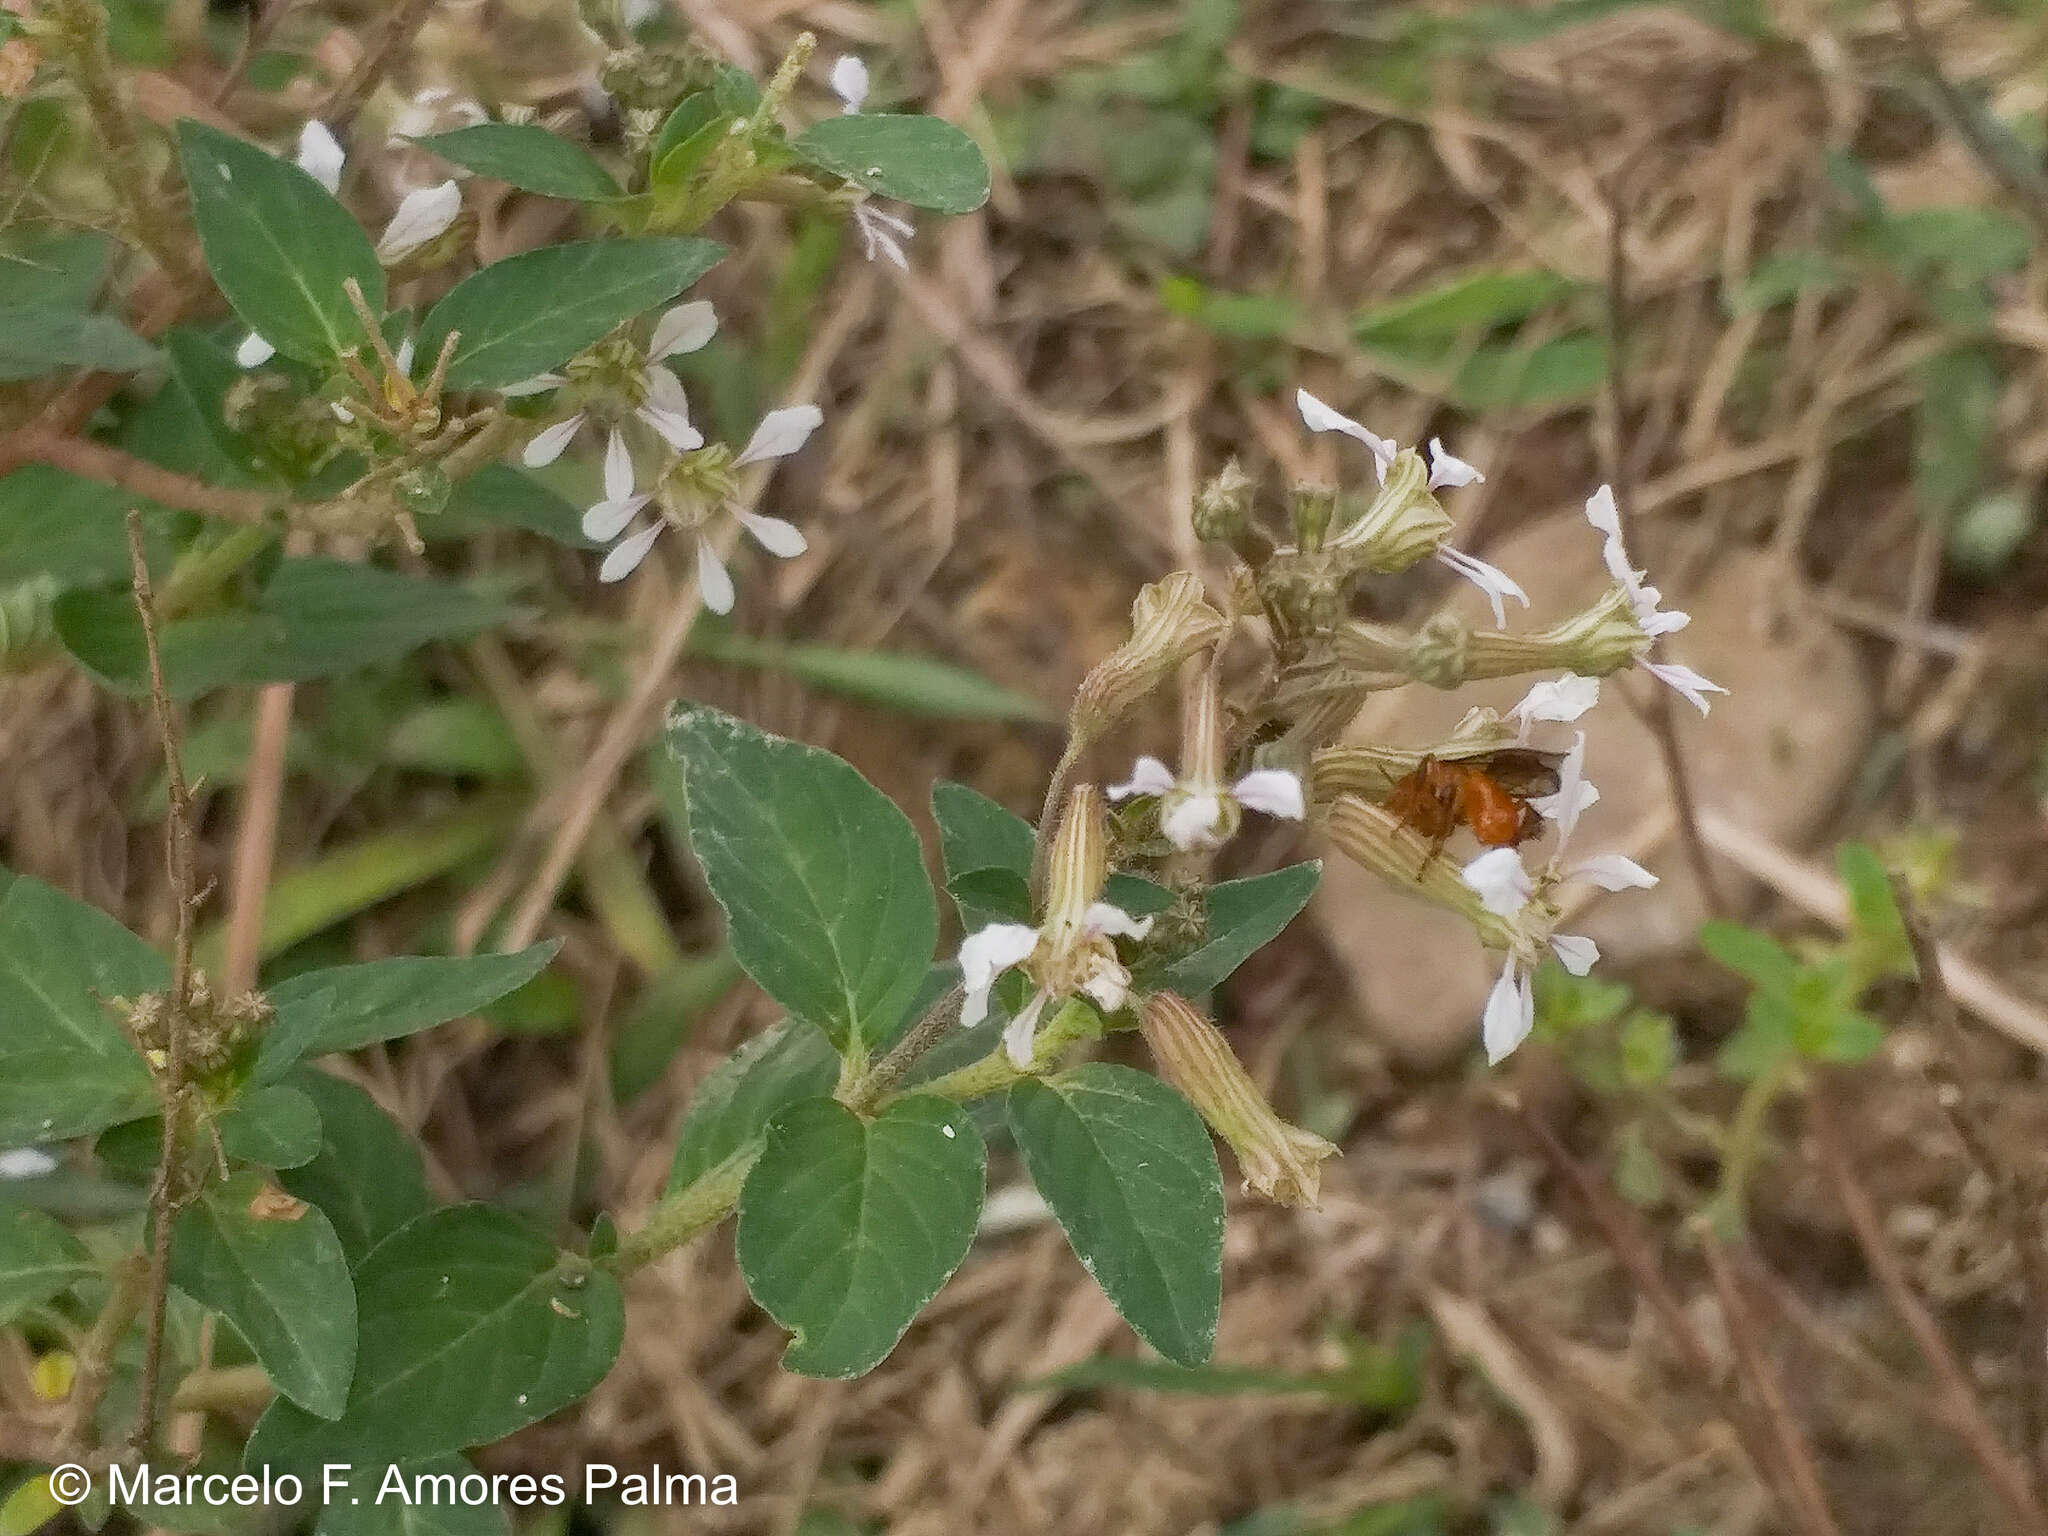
(1281, 1161)
(1438, 654)
(1312, 509)
(1079, 863)
(1403, 524)
(1223, 506)
(1169, 623)
(1374, 838)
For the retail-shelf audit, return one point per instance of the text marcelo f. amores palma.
(650, 1487)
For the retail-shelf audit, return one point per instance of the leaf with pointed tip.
(734, 1104)
(1243, 917)
(923, 161)
(528, 156)
(356, 1135)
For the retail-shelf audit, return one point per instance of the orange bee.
(1489, 793)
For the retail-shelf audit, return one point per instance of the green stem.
(698, 1205)
(202, 572)
(1745, 1146)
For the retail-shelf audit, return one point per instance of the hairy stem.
(682, 1214)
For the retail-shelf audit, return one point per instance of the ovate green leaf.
(923, 161)
(527, 155)
(274, 1127)
(734, 1104)
(1243, 917)
(368, 1175)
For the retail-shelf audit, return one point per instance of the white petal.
(26, 1163)
(987, 952)
(1022, 1031)
(1559, 698)
(539, 384)
(714, 581)
(1101, 917)
(1602, 513)
(882, 234)
(423, 214)
(1612, 872)
(254, 351)
(1274, 791)
(1149, 776)
(1447, 471)
(1190, 821)
(1575, 954)
(781, 433)
(342, 413)
(404, 356)
(1510, 1013)
(606, 520)
(547, 444)
(1502, 882)
(618, 467)
(665, 393)
(683, 329)
(625, 557)
(773, 534)
(1687, 683)
(1494, 582)
(320, 154)
(1574, 793)
(672, 429)
(1318, 417)
(850, 81)
(1107, 987)
(1654, 623)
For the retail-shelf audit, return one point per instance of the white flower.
(1079, 954)
(1447, 472)
(882, 234)
(423, 214)
(1562, 699)
(321, 155)
(1605, 516)
(1496, 583)
(663, 406)
(780, 434)
(1318, 417)
(850, 82)
(1197, 816)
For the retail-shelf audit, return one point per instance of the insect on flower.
(1489, 793)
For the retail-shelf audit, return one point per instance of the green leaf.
(523, 315)
(976, 835)
(1748, 953)
(280, 1278)
(923, 161)
(820, 877)
(274, 1127)
(1128, 1169)
(368, 1175)
(351, 1006)
(735, 92)
(62, 269)
(528, 156)
(64, 526)
(1649, 1048)
(686, 137)
(848, 1227)
(500, 496)
(689, 117)
(735, 1102)
(472, 1326)
(463, 736)
(35, 340)
(38, 1260)
(434, 1502)
(916, 685)
(66, 1069)
(1243, 917)
(1877, 930)
(279, 245)
(1471, 304)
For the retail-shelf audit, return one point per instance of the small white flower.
(850, 82)
(321, 155)
(605, 520)
(1510, 1012)
(882, 234)
(1561, 699)
(1502, 881)
(423, 215)
(1318, 417)
(1605, 516)
(1080, 952)
(1195, 815)
(1446, 471)
(664, 408)
(1494, 582)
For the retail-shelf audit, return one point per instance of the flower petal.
(539, 384)
(683, 329)
(1107, 986)
(1190, 820)
(773, 534)
(423, 214)
(1575, 954)
(254, 351)
(606, 520)
(618, 467)
(1149, 776)
(1510, 1013)
(320, 154)
(1688, 684)
(882, 234)
(850, 82)
(26, 1163)
(714, 581)
(1574, 793)
(1101, 917)
(1021, 1032)
(1318, 417)
(625, 556)
(1602, 512)
(1559, 698)
(1493, 581)
(672, 429)
(1612, 872)
(781, 433)
(1501, 880)
(1447, 471)
(987, 952)
(547, 444)
(1273, 791)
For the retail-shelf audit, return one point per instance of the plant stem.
(682, 1214)
(125, 1287)
(867, 1091)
